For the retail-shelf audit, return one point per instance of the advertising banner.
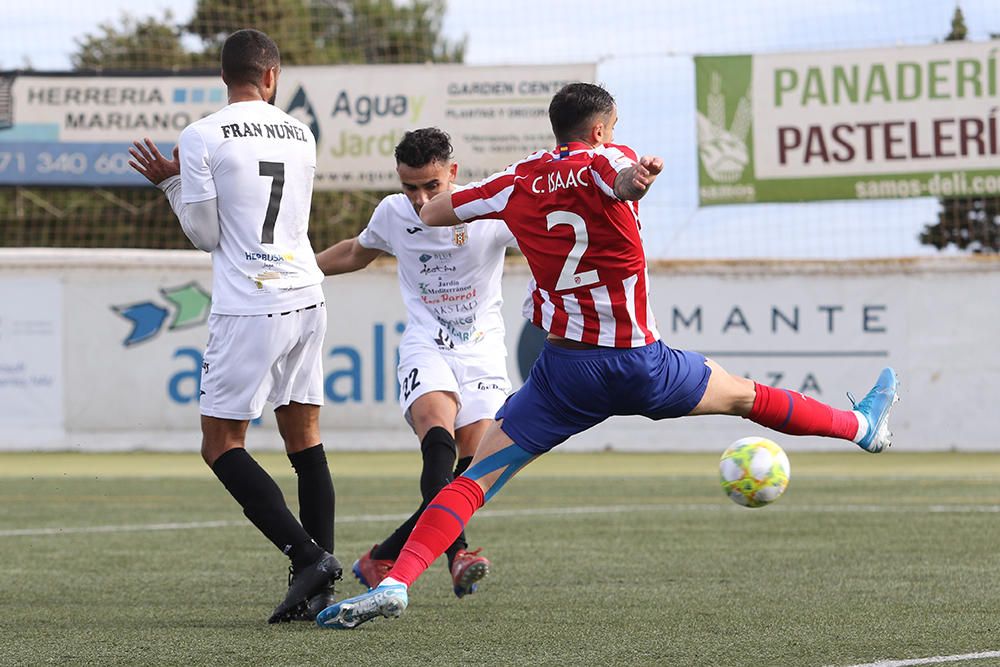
(863, 124)
(75, 130)
(31, 364)
(118, 337)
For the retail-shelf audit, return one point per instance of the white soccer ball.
(754, 472)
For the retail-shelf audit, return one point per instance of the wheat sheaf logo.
(723, 150)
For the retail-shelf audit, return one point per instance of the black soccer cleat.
(313, 581)
(308, 610)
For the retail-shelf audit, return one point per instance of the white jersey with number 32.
(257, 162)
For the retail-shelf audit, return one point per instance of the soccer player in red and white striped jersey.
(574, 212)
(580, 239)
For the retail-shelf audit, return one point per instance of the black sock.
(264, 505)
(462, 465)
(317, 499)
(438, 449)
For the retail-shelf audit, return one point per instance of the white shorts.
(475, 375)
(251, 359)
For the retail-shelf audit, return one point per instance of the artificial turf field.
(598, 559)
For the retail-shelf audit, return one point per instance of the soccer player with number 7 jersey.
(574, 213)
(240, 182)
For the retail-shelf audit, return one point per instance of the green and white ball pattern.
(754, 472)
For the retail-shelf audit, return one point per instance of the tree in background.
(379, 31)
(326, 32)
(287, 22)
(308, 32)
(968, 223)
(138, 44)
(958, 29)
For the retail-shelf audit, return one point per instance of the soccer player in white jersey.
(574, 211)
(242, 189)
(452, 358)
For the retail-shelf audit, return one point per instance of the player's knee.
(740, 395)
(425, 422)
(741, 402)
(300, 437)
(726, 394)
(426, 419)
(211, 451)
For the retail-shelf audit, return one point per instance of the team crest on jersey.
(459, 235)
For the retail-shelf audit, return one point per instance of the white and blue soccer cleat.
(875, 408)
(387, 600)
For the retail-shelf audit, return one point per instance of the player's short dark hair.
(575, 106)
(421, 147)
(246, 55)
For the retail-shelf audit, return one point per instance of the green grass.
(865, 558)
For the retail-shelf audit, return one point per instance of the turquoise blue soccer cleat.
(875, 407)
(388, 601)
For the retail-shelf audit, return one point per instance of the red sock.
(796, 414)
(438, 526)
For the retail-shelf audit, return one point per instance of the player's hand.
(653, 164)
(149, 162)
(632, 183)
(645, 171)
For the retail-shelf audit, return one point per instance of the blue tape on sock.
(511, 457)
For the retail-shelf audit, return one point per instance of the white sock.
(389, 581)
(862, 426)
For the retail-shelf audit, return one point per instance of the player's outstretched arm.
(439, 212)
(633, 183)
(199, 220)
(346, 256)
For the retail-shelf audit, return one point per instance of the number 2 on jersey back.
(276, 170)
(568, 277)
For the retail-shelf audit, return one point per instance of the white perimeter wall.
(76, 373)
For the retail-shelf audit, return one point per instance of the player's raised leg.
(797, 414)
(875, 408)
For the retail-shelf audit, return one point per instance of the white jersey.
(258, 163)
(449, 276)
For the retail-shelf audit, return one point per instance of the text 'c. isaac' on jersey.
(258, 163)
(581, 242)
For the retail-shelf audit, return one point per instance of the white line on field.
(935, 660)
(542, 511)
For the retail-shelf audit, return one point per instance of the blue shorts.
(568, 391)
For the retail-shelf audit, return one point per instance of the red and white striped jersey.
(581, 242)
